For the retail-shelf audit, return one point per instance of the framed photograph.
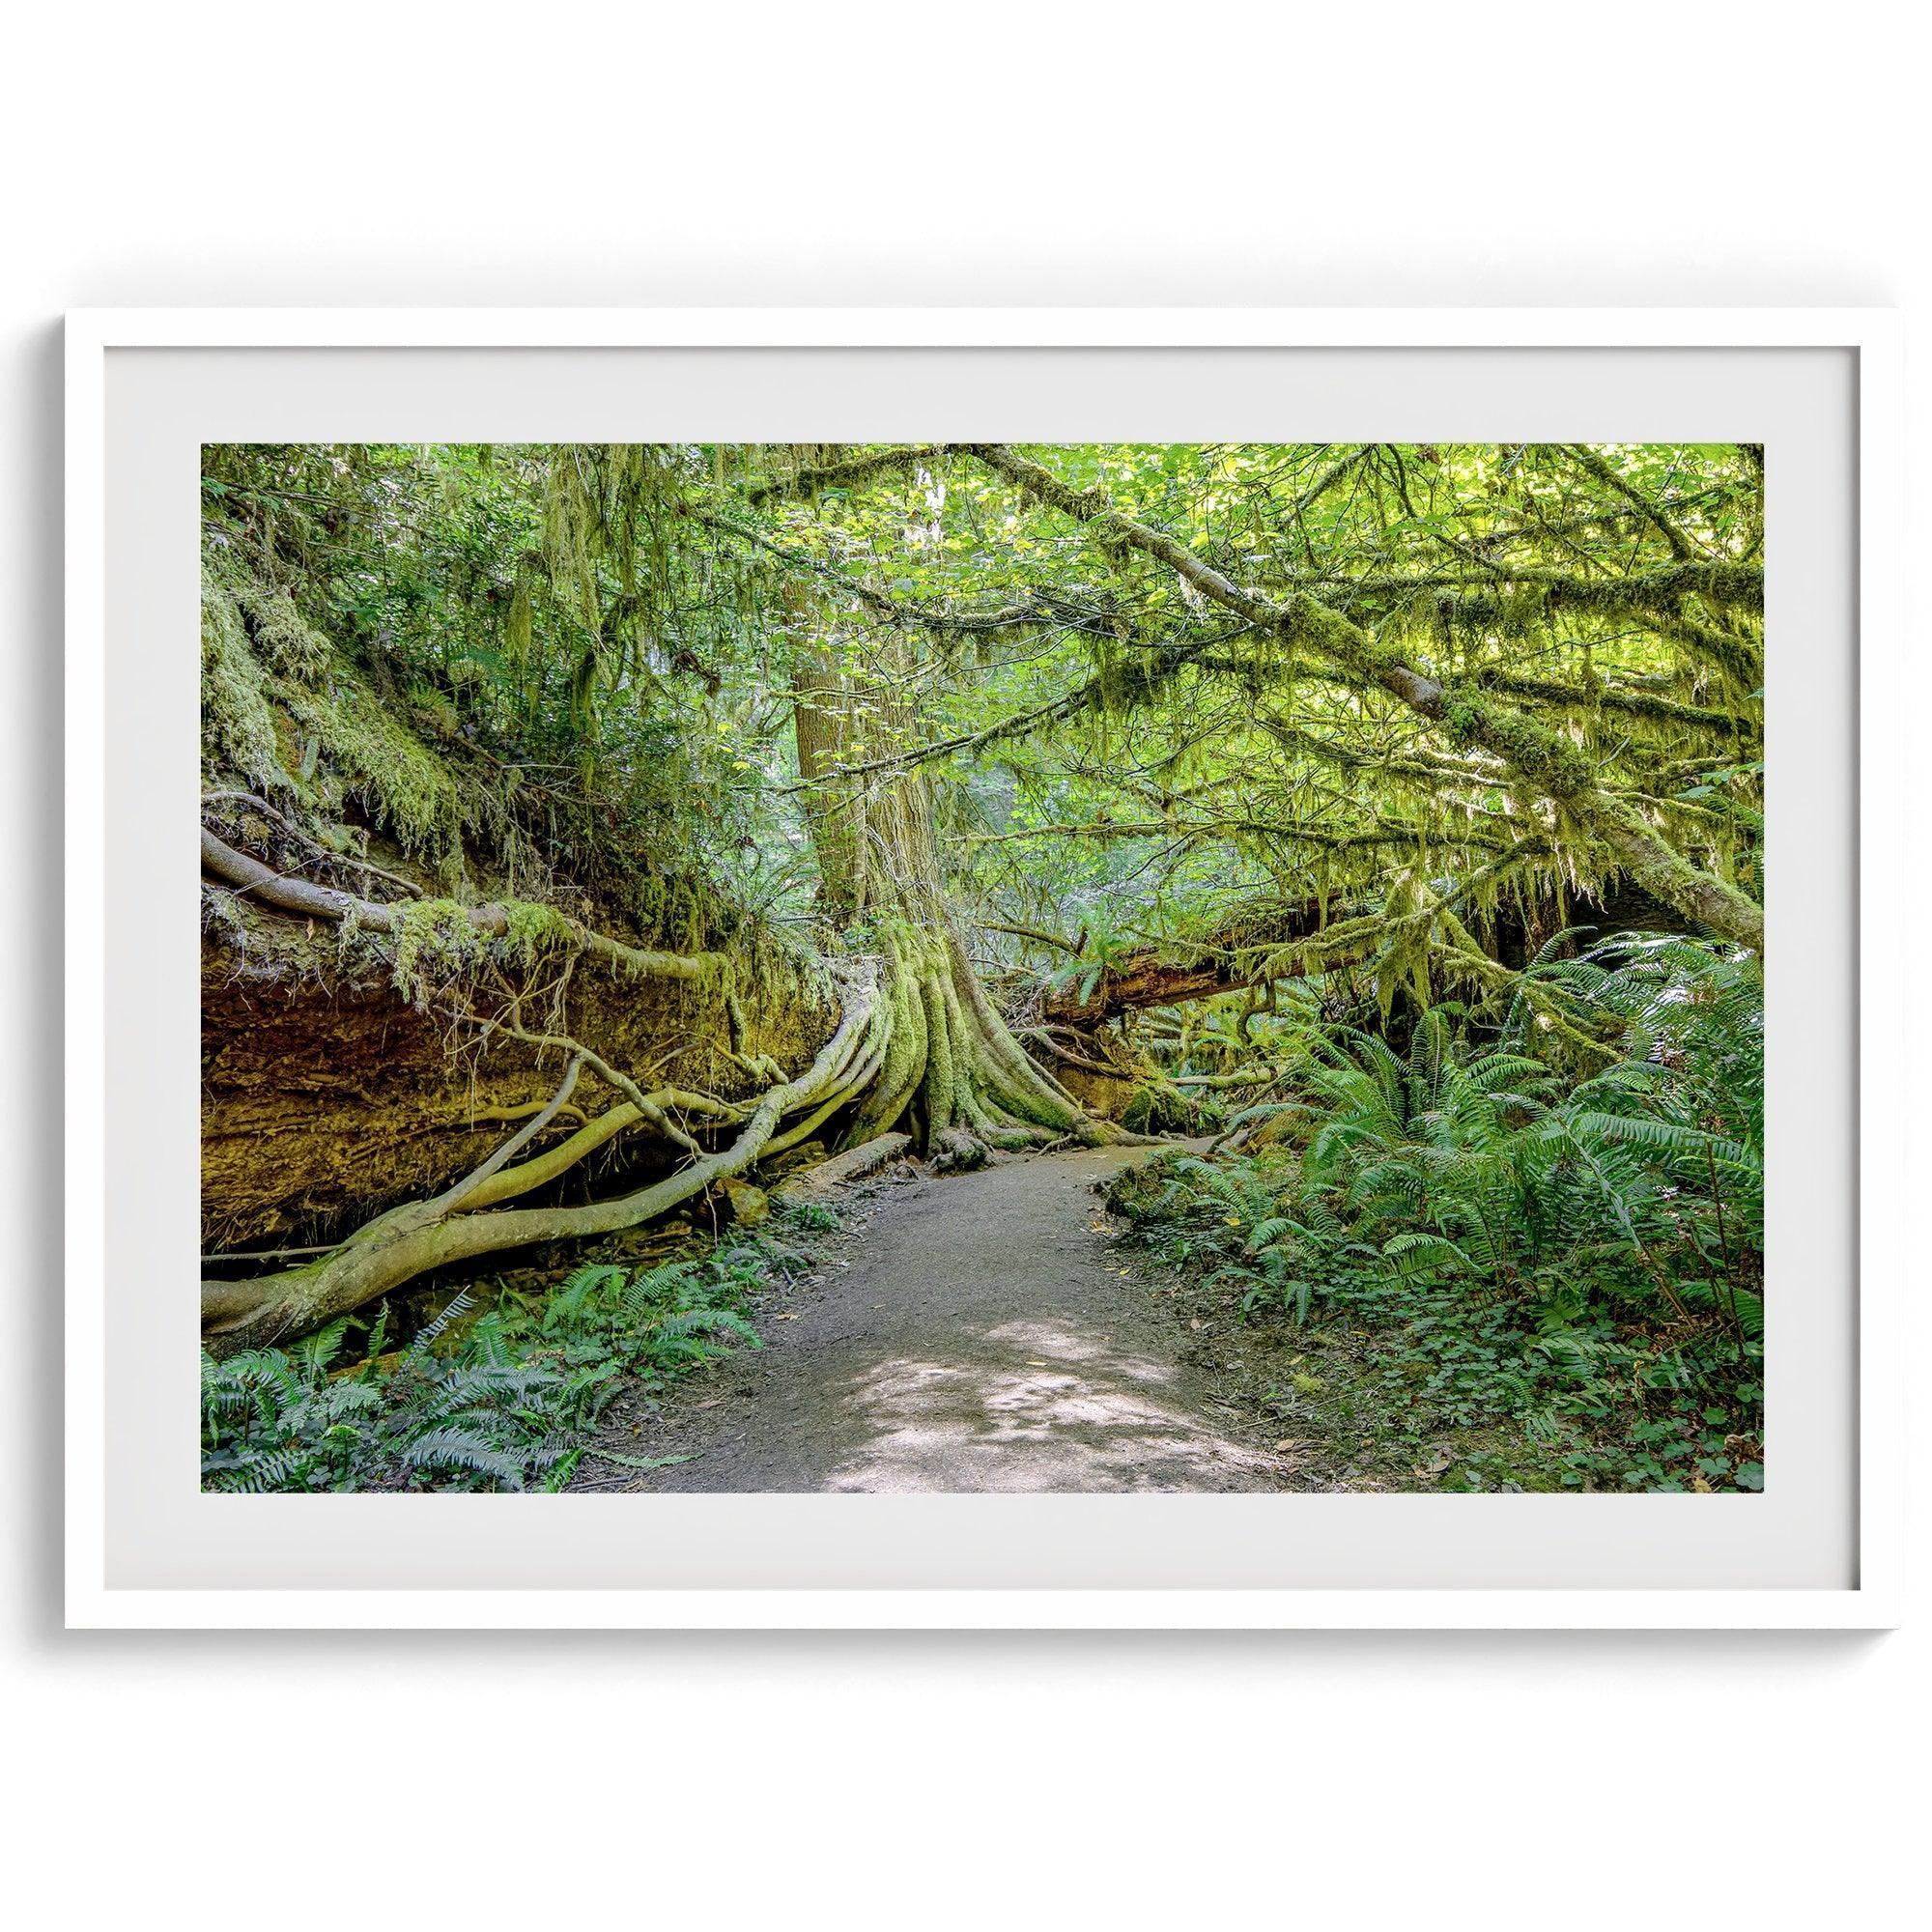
(990, 968)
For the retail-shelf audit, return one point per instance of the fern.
(695, 1321)
(453, 1448)
(1566, 1220)
(570, 1301)
(504, 1408)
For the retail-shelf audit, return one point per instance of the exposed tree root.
(463, 1223)
(851, 1165)
(951, 1062)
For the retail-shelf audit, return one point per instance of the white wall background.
(351, 153)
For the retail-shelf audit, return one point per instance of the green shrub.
(1581, 1254)
(504, 1400)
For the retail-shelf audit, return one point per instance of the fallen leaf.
(713, 1401)
(1435, 1465)
(1287, 1445)
(789, 1315)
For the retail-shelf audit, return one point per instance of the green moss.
(437, 942)
(374, 754)
(1312, 624)
(238, 729)
(283, 709)
(1159, 1108)
(282, 637)
(1544, 758)
(534, 930)
(434, 942)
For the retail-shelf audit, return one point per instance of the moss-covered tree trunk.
(952, 1074)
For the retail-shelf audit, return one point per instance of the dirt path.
(977, 1332)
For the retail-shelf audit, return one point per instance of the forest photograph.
(863, 968)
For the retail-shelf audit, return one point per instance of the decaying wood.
(815, 1181)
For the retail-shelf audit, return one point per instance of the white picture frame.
(1872, 1595)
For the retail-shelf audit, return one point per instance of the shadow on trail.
(1048, 1409)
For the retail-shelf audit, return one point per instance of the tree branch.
(301, 896)
(1540, 758)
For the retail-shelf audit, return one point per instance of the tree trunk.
(952, 1071)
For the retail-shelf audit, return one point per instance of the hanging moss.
(430, 937)
(238, 729)
(433, 944)
(377, 758)
(534, 930)
(1547, 760)
(285, 710)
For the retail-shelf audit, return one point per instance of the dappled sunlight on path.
(1044, 1406)
(977, 1333)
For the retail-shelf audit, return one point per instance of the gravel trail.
(977, 1332)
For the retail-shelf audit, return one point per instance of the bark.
(1280, 940)
(813, 1182)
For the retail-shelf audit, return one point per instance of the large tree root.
(464, 1223)
(816, 1181)
(950, 1062)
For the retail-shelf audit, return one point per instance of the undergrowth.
(1555, 1233)
(502, 1400)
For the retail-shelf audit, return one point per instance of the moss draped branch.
(284, 892)
(1544, 760)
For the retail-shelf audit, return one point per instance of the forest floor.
(982, 1331)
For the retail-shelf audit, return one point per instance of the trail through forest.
(596, 837)
(979, 1333)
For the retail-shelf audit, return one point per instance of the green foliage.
(1579, 1255)
(601, 644)
(575, 674)
(1101, 952)
(505, 1400)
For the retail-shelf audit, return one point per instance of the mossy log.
(462, 1224)
(326, 1096)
